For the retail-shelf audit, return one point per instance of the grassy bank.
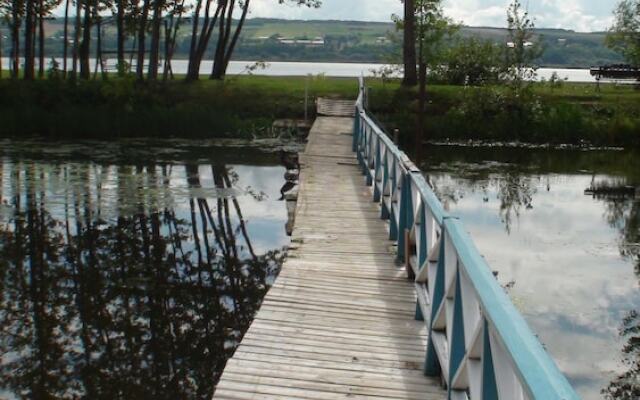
(247, 106)
(566, 113)
(239, 107)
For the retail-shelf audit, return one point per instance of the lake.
(343, 70)
(569, 259)
(132, 269)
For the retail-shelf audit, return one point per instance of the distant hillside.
(562, 47)
(353, 41)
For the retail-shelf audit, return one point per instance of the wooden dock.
(339, 321)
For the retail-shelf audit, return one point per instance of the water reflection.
(121, 281)
(565, 227)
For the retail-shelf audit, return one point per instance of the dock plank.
(338, 322)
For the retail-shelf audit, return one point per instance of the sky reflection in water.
(573, 258)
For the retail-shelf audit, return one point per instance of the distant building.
(315, 42)
(512, 45)
(382, 40)
(562, 41)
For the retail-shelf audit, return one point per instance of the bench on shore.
(616, 72)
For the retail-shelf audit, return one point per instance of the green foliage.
(432, 28)
(571, 113)
(555, 82)
(471, 61)
(521, 51)
(54, 71)
(122, 107)
(624, 35)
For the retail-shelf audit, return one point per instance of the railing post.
(356, 129)
(432, 364)
(370, 155)
(489, 385)
(360, 145)
(377, 164)
(394, 205)
(365, 144)
(385, 211)
(405, 193)
(457, 348)
(418, 315)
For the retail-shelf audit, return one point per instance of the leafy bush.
(471, 62)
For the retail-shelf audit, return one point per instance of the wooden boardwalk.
(339, 321)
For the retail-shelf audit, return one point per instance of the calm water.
(345, 70)
(132, 274)
(571, 260)
(131, 269)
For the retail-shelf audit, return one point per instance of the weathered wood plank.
(338, 322)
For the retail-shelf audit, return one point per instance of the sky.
(578, 15)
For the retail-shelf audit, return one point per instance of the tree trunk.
(76, 41)
(168, 28)
(409, 44)
(154, 51)
(15, 39)
(223, 39)
(120, 36)
(142, 30)
(200, 45)
(236, 35)
(421, 111)
(192, 73)
(41, 39)
(207, 30)
(1, 56)
(29, 30)
(65, 45)
(85, 68)
(99, 60)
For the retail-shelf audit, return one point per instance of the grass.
(571, 113)
(239, 107)
(246, 106)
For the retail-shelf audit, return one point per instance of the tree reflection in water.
(110, 288)
(623, 213)
(514, 190)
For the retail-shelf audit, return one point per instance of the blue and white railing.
(478, 342)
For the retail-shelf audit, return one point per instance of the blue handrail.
(478, 342)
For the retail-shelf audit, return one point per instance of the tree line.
(150, 26)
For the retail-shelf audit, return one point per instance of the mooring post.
(396, 136)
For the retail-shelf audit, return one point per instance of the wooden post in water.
(396, 136)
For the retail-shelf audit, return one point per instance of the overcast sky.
(579, 15)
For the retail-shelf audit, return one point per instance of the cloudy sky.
(580, 15)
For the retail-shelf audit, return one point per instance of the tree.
(624, 35)
(229, 31)
(13, 11)
(409, 57)
(121, 7)
(521, 51)
(432, 27)
(29, 40)
(472, 61)
(65, 45)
